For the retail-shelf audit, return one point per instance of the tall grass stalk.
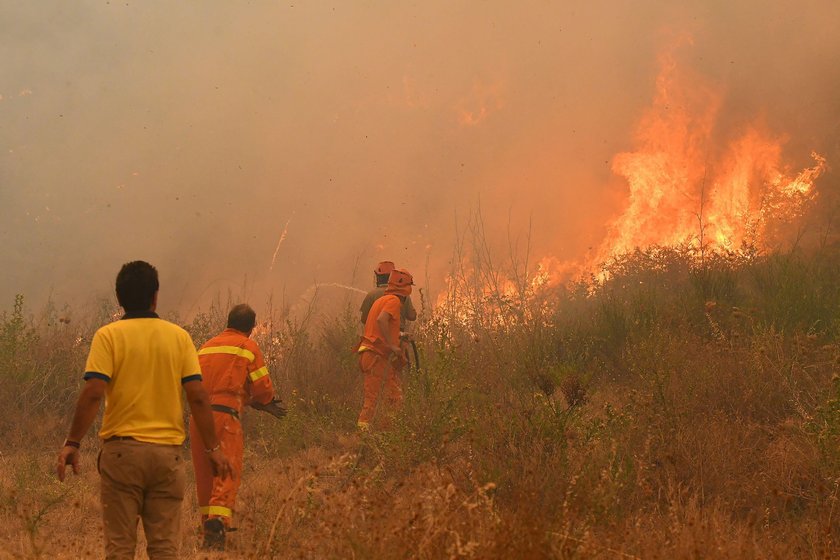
(677, 409)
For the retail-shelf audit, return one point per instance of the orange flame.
(687, 188)
(691, 182)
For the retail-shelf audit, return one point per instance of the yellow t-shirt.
(145, 360)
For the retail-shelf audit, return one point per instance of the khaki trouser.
(145, 481)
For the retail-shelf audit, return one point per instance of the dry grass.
(669, 413)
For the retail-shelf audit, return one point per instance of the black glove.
(274, 407)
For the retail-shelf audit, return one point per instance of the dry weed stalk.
(696, 431)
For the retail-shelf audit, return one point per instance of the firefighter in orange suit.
(380, 276)
(235, 374)
(380, 355)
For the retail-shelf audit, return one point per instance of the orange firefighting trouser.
(216, 496)
(380, 376)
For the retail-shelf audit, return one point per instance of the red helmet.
(400, 282)
(385, 267)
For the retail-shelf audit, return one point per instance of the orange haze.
(259, 149)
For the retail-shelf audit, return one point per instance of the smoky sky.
(191, 134)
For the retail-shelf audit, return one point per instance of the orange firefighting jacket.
(233, 370)
(373, 339)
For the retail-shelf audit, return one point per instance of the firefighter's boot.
(214, 534)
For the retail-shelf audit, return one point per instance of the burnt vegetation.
(677, 408)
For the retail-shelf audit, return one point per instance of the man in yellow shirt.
(139, 364)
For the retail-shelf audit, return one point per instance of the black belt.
(226, 409)
(119, 438)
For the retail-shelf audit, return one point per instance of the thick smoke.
(191, 134)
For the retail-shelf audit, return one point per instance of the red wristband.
(71, 443)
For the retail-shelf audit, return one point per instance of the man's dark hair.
(242, 318)
(137, 284)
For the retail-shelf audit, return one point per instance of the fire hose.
(406, 339)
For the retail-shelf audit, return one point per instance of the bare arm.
(202, 415)
(86, 409)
